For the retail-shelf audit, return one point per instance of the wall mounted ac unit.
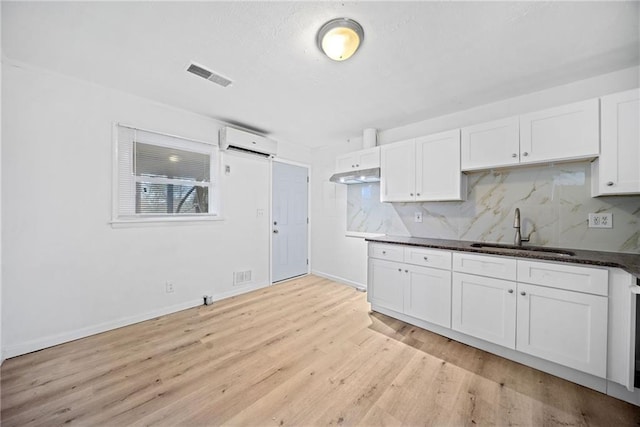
(240, 140)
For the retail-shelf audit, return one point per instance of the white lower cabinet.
(428, 295)
(569, 328)
(418, 291)
(484, 307)
(553, 311)
(386, 284)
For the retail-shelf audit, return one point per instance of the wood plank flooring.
(304, 352)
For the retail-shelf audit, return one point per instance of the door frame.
(308, 168)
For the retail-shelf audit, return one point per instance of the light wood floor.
(304, 352)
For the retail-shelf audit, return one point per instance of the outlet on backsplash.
(417, 217)
(600, 220)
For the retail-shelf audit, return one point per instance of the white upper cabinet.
(491, 144)
(438, 174)
(398, 171)
(422, 169)
(617, 171)
(568, 132)
(357, 160)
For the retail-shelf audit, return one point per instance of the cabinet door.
(428, 295)
(562, 133)
(619, 170)
(485, 308)
(438, 175)
(346, 162)
(386, 283)
(569, 328)
(491, 144)
(369, 158)
(397, 172)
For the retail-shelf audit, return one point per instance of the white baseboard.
(51, 340)
(239, 290)
(340, 279)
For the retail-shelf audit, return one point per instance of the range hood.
(357, 177)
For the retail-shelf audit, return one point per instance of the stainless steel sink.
(515, 249)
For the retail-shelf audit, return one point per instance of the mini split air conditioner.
(236, 139)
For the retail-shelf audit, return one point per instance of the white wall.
(68, 273)
(333, 254)
(1, 346)
(344, 258)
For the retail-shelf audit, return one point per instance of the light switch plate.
(600, 220)
(417, 217)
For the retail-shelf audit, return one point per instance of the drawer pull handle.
(510, 291)
(426, 258)
(514, 155)
(610, 184)
(525, 154)
(523, 293)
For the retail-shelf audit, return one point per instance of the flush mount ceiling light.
(340, 38)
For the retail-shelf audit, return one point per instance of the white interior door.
(290, 221)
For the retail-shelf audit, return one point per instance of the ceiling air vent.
(209, 75)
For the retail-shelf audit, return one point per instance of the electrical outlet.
(600, 220)
(169, 287)
(417, 217)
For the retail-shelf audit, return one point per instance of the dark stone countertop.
(626, 261)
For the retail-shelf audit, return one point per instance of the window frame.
(188, 144)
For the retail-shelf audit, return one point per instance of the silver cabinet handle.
(610, 184)
(523, 293)
(357, 165)
(514, 155)
(510, 291)
(275, 231)
(426, 258)
(400, 270)
(525, 154)
(406, 271)
(353, 166)
(411, 194)
(417, 194)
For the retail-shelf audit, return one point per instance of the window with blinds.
(161, 176)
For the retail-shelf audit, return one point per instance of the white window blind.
(161, 176)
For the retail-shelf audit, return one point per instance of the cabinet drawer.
(388, 252)
(563, 276)
(428, 257)
(484, 265)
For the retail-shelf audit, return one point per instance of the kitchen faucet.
(516, 224)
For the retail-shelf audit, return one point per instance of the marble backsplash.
(554, 202)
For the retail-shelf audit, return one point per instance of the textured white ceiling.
(418, 60)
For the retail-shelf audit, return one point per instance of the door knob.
(523, 293)
(610, 184)
(275, 231)
(514, 155)
(525, 154)
(275, 222)
(510, 291)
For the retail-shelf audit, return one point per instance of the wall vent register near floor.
(200, 71)
(241, 277)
